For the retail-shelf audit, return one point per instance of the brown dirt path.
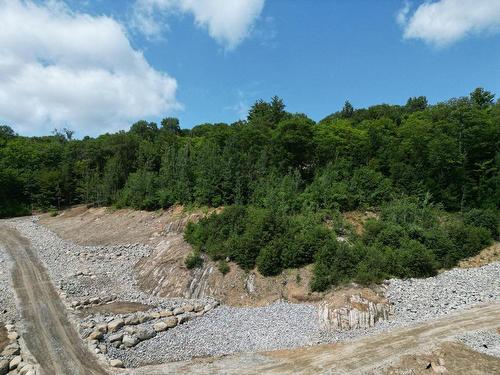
(50, 337)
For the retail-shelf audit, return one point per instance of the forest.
(429, 173)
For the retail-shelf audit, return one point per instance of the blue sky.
(313, 54)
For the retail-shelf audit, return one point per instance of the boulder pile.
(124, 332)
(13, 360)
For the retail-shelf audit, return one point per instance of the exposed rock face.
(358, 312)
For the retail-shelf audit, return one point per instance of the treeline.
(279, 170)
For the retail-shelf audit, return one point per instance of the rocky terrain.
(13, 356)
(7, 300)
(487, 342)
(127, 325)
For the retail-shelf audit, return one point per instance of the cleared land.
(430, 314)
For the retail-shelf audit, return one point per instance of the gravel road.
(49, 335)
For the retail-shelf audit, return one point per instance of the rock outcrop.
(358, 312)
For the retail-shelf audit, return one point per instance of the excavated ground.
(140, 257)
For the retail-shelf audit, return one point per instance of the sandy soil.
(85, 225)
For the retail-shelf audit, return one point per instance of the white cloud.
(446, 21)
(229, 22)
(60, 68)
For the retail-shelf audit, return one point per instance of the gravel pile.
(459, 288)
(228, 330)
(83, 271)
(487, 342)
(419, 300)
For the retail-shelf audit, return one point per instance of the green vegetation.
(431, 172)
(193, 260)
(223, 266)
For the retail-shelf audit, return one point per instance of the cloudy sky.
(98, 66)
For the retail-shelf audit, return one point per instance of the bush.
(369, 188)
(438, 240)
(488, 219)
(467, 240)
(391, 235)
(193, 260)
(335, 263)
(269, 261)
(223, 267)
(305, 235)
(416, 260)
(374, 266)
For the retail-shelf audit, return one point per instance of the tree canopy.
(283, 177)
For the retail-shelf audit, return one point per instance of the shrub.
(193, 260)
(374, 266)
(369, 187)
(488, 219)
(269, 261)
(416, 260)
(335, 263)
(305, 235)
(467, 240)
(223, 266)
(391, 235)
(440, 243)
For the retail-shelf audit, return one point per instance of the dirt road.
(364, 356)
(49, 335)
